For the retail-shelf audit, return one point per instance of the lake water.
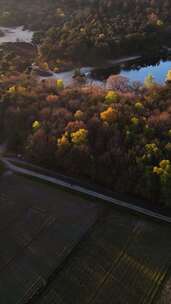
(135, 70)
(159, 72)
(15, 34)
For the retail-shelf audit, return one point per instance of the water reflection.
(15, 34)
(137, 70)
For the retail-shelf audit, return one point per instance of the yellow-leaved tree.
(12, 90)
(111, 96)
(59, 84)
(149, 81)
(79, 137)
(64, 140)
(36, 125)
(110, 115)
(45, 66)
(168, 76)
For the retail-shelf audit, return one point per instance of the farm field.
(72, 250)
(39, 226)
(122, 260)
(165, 297)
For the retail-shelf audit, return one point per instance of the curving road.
(67, 183)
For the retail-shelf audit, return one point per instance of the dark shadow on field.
(39, 226)
(57, 247)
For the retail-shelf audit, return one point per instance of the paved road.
(80, 189)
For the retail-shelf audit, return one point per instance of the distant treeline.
(80, 30)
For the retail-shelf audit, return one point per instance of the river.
(135, 69)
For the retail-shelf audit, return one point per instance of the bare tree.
(118, 83)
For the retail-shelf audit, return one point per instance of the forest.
(68, 30)
(85, 151)
(117, 136)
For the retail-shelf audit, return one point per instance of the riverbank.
(135, 68)
(67, 74)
